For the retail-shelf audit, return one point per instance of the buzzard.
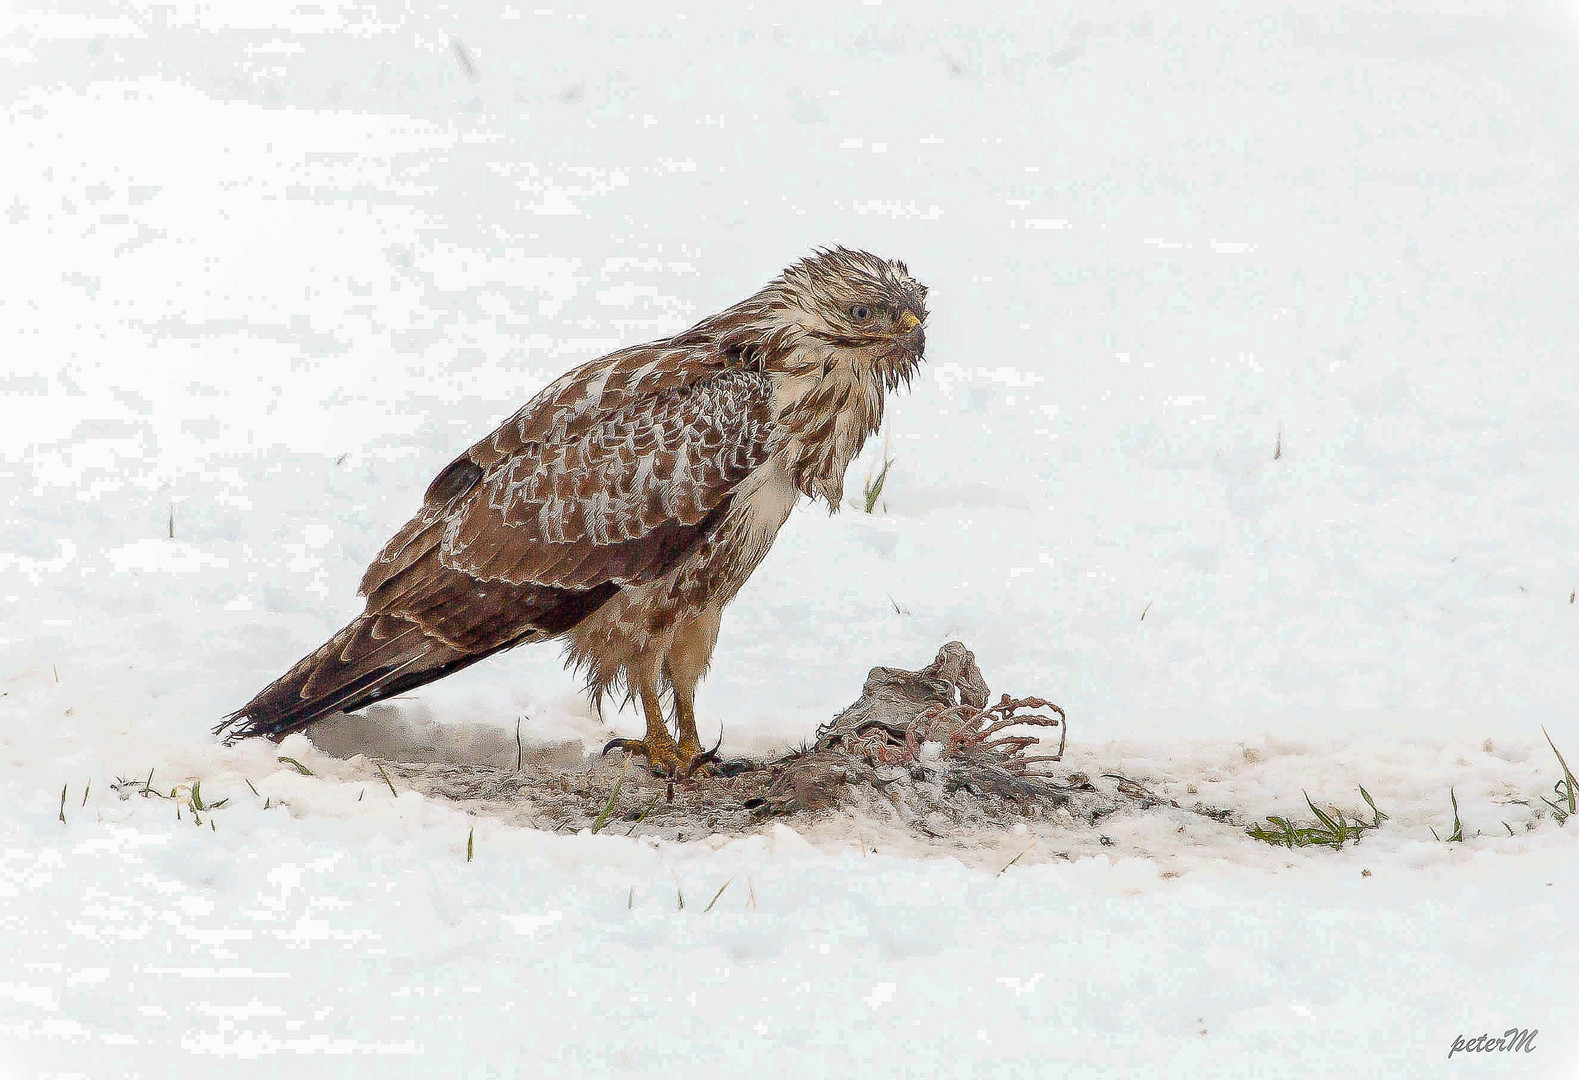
(626, 505)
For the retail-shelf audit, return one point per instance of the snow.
(271, 265)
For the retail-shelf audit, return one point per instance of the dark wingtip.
(223, 730)
(241, 724)
(238, 725)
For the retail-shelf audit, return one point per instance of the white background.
(268, 267)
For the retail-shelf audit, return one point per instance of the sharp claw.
(660, 768)
(704, 758)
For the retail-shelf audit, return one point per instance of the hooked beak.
(909, 332)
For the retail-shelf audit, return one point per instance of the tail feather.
(372, 658)
(366, 652)
(444, 625)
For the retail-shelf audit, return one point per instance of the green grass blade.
(608, 808)
(716, 895)
(874, 489)
(643, 816)
(1326, 821)
(1568, 776)
(1380, 817)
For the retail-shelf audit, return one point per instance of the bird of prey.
(626, 505)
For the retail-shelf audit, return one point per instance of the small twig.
(387, 780)
(469, 834)
(1124, 781)
(1016, 859)
(86, 790)
(63, 804)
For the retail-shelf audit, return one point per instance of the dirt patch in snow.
(923, 752)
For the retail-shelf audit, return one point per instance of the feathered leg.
(688, 660)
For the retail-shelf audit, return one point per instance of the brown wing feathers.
(608, 477)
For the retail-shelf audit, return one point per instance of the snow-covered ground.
(1247, 435)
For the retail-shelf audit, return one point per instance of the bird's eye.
(860, 312)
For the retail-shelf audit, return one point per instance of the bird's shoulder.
(619, 492)
(620, 384)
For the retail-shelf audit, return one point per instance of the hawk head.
(866, 307)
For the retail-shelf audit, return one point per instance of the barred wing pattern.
(577, 513)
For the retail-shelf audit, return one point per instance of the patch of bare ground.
(921, 752)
